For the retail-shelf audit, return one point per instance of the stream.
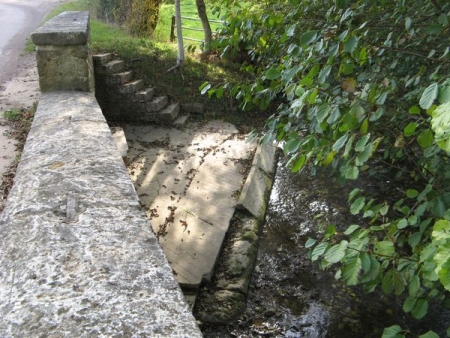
(290, 296)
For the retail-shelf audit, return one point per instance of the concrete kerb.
(259, 182)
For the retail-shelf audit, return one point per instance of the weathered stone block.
(64, 68)
(68, 28)
(157, 104)
(62, 53)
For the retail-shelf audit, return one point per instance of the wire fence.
(195, 31)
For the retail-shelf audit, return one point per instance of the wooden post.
(172, 30)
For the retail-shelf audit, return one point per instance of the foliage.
(139, 16)
(361, 87)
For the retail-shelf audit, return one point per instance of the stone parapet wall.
(78, 257)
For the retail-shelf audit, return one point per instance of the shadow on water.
(290, 296)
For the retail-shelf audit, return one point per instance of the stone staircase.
(124, 98)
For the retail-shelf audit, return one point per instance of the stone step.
(112, 67)
(144, 95)
(169, 113)
(131, 87)
(181, 120)
(119, 78)
(101, 59)
(157, 104)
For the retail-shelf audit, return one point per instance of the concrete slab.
(266, 158)
(188, 182)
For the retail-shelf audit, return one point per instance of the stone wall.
(62, 53)
(78, 257)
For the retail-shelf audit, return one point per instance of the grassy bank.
(151, 58)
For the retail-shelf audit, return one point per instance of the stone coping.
(68, 28)
(78, 256)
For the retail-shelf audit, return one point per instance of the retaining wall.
(78, 257)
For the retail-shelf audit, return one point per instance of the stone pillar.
(62, 52)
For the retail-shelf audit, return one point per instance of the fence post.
(172, 29)
(179, 34)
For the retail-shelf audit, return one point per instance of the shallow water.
(289, 295)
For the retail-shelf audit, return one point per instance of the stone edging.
(225, 299)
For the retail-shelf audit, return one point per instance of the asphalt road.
(18, 19)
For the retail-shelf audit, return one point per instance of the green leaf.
(310, 242)
(384, 209)
(357, 205)
(291, 30)
(308, 37)
(272, 73)
(382, 98)
(392, 332)
(414, 286)
(351, 269)
(412, 193)
(351, 229)
(441, 231)
(349, 145)
(330, 231)
(393, 282)
(318, 251)
(384, 248)
(340, 142)
(440, 124)
(444, 274)
(299, 164)
(410, 129)
(402, 223)
(425, 138)
(420, 308)
(204, 88)
(444, 94)
(322, 112)
(364, 127)
(414, 110)
(290, 73)
(351, 44)
(335, 253)
(429, 95)
(361, 144)
(414, 239)
(408, 23)
(324, 74)
(292, 146)
(409, 303)
(352, 173)
(353, 193)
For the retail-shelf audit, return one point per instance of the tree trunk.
(201, 9)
